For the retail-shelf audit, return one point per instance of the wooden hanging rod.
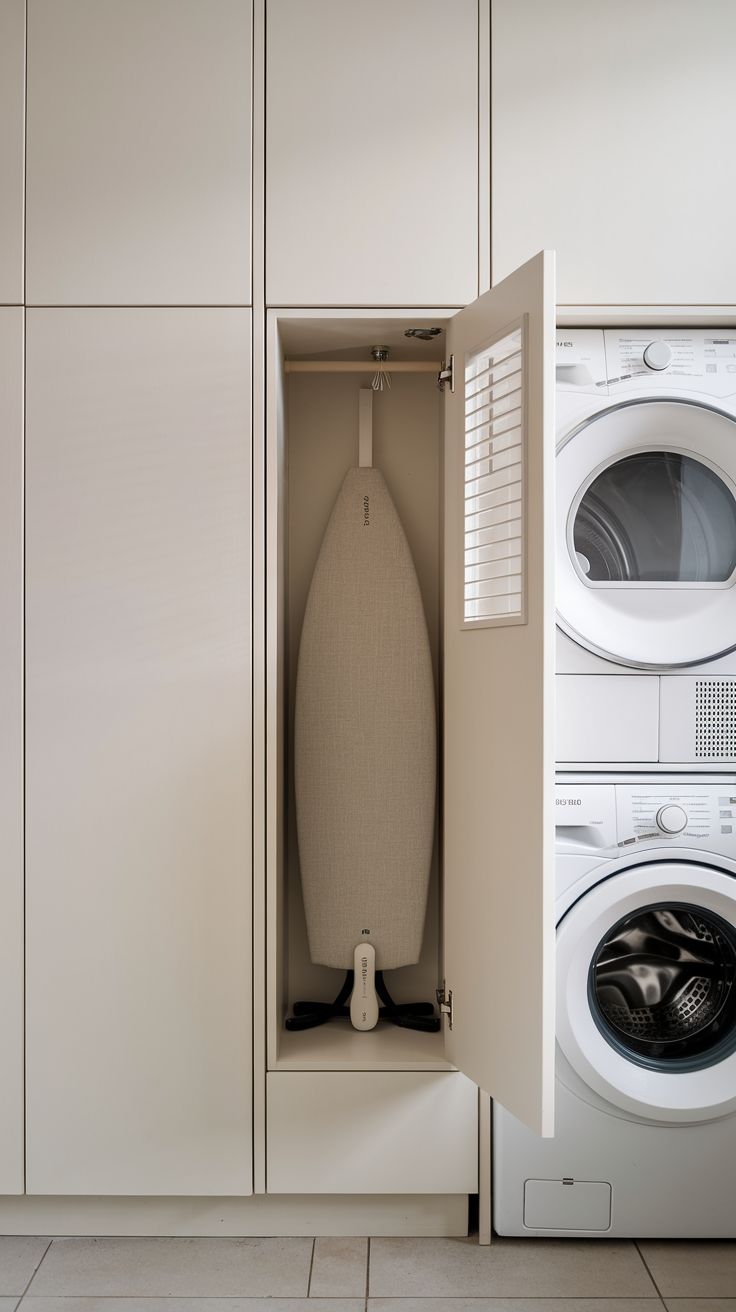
(362, 366)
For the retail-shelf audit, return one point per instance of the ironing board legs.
(408, 1015)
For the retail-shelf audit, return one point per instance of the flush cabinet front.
(138, 152)
(490, 924)
(601, 117)
(138, 891)
(11, 749)
(12, 148)
(405, 1132)
(376, 124)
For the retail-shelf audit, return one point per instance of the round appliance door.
(646, 991)
(646, 534)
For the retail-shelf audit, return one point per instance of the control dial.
(657, 355)
(671, 819)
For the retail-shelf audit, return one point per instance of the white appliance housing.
(646, 476)
(645, 1128)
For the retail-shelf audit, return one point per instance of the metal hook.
(381, 378)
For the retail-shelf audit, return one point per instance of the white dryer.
(646, 546)
(645, 1121)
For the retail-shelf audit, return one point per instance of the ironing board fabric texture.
(365, 737)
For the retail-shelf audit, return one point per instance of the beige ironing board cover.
(365, 737)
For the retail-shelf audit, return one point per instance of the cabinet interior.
(312, 426)
(313, 441)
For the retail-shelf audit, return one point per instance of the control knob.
(657, 355)
(671, 819)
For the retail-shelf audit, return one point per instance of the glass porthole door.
(646, 991)
(656, 517)
(646, 534)
(663, 987)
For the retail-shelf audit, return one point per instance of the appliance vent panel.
(715, 719)
(493, 489)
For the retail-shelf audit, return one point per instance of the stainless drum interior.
(663, 986)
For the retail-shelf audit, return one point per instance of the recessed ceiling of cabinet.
(352, 338)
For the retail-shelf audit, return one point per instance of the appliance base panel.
(667, 1182)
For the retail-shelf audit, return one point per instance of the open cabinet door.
(499, 626)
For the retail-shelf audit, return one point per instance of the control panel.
(611, 819)
(612, 360)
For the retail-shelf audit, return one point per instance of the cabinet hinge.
(447, 374)
(444, 1002)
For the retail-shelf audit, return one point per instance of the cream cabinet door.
(11, 749)
(499, 629)
(12, 129)
(372, 152)
(139, 150)
(138, 749)
(612, 142)
(371, 1132)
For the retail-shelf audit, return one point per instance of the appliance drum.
(656, 516)
(663, 986)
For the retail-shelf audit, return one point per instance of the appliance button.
(671, 819)
(657, 355)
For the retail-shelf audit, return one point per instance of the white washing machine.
(645, 1120)
(646, 547)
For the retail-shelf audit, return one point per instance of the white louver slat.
(494, 483)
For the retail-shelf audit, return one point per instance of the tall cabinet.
(372, 199)
(137, 584)
(11, 748)
(218, 189)
(140, 281)
(12, 75)
(137, 752)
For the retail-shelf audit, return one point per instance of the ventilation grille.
(494, 483)
(715, 718)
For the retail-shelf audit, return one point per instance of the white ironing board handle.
(364, 1001)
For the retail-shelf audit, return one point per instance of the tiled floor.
(358, 1275)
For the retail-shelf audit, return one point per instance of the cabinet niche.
(312, 442)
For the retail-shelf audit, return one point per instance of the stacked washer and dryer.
(645, 1121)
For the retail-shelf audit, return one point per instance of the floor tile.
(9, 1304)
(198, 1268)
(19, 1257)
(701, 1304)
(698, 1268)
(339, 1268)
(507, 1268)
(515, 1305)
(264, 1304)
